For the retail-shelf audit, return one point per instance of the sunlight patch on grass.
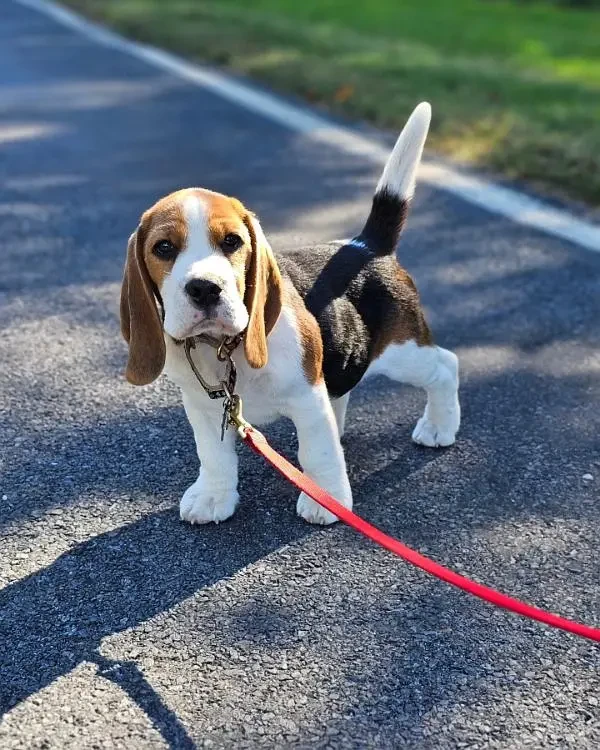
(516, 89)
(476, 141)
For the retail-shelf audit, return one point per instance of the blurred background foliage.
(514, 85)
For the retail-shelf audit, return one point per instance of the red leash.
(258, 443)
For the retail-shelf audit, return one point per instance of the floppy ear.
(140, 322)
(263, 295)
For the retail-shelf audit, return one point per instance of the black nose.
(203, 292)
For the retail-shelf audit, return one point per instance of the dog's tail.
(396, 186)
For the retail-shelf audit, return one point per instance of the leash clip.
(236, 418)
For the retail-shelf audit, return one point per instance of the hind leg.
(441, 419)
(436, 371)
(339, 406)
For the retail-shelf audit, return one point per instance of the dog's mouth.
(227, 318)
(210, 325)
(215, 327)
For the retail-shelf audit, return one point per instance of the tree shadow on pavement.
(57, 617)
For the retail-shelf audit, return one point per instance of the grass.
(514, 87)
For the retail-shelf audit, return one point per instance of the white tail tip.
(400, 172)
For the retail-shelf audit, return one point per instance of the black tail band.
(384, 225)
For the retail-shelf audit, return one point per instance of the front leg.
(214, 495)
(319, 452)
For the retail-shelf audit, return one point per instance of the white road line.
(512, 204)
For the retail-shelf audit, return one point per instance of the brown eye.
(165, 250)
(231, 243)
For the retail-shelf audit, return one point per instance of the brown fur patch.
(263, 297)
(310, 335)
(164, 221)
(140, 323)
(405, 320)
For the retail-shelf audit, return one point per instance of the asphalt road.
(120, 626)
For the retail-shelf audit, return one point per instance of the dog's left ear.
(262, 296)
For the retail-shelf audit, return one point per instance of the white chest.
(265, 393)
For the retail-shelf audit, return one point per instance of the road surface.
(120, 626)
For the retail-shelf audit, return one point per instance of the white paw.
(434, 435)
(312, 512)
(206, 503)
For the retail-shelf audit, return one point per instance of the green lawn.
(514, 86)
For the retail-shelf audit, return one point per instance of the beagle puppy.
(316, 321)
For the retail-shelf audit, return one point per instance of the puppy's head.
(202, 260)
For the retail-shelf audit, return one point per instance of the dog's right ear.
(140, 321)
